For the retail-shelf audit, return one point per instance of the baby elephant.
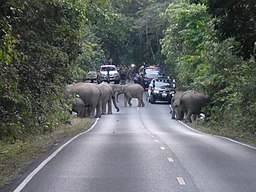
(78, 106)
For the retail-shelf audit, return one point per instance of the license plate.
(164, 95)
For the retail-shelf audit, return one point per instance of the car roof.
(108, 66)
(161, 79)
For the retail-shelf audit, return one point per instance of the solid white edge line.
(232, 140)
(35, 171)
(226, 138)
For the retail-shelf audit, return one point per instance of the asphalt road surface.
(144, 150)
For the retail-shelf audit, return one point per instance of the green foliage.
(46, 44)
(236, 19)
(203, 62)
(183, 38)
(40, 45)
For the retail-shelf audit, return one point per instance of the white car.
(109, 73)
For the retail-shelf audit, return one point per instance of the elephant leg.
(142, 102)
(129, 101)
(188, 117)
(125, 101)
(98, 108)
(92, 111)
(173, 114)
(194, 117)
(139, 102)
(109, 107)
(80, 112)
(104, 108)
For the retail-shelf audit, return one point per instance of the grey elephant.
(78, 106)
(132, 91)
(116, 88)
(175, 102)
(177, 112)
(107, 98)
(90, 94)
(191, 103)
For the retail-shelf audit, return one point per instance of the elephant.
(132, 91)
(78, 106)
(191, 103)
(116, 88)
(107, 97)
(174, 103)
(178, 113)
(91, 95)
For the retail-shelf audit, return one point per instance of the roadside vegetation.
(14, 157)
(206, 45)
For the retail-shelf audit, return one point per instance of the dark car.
(147, 74)
(161, 89)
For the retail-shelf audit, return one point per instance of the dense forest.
(207, 45)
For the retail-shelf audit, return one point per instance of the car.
(91, 75)
(109, 73)
(147, 74)
(161, 89)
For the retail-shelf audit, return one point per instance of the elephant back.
(193, 101)
(134, 88)
(105, 88)
(88, 92)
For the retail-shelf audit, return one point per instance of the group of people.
(126, 73)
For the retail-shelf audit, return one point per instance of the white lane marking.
(226, 138)
(190, 127)
(156, 141)
(162, 148)
(234, 141)
(35, 171)
(181, 181)
(170, 159)
(152, 136)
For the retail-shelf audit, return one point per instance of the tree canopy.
(207, 45)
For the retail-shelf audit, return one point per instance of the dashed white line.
(170, 159)
(162, 148)
(181, 181)
(156, 141)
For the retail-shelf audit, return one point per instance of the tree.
(236, 19)
(42, 41)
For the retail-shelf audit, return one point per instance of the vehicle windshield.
(162, 85)
(151, 73)
(108, 69)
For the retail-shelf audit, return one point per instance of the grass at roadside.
(15, 157)
(240, 135)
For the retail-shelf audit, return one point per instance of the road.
(144, 150)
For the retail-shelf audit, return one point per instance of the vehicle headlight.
(156, 91)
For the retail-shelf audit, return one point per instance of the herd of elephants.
(94, 100)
